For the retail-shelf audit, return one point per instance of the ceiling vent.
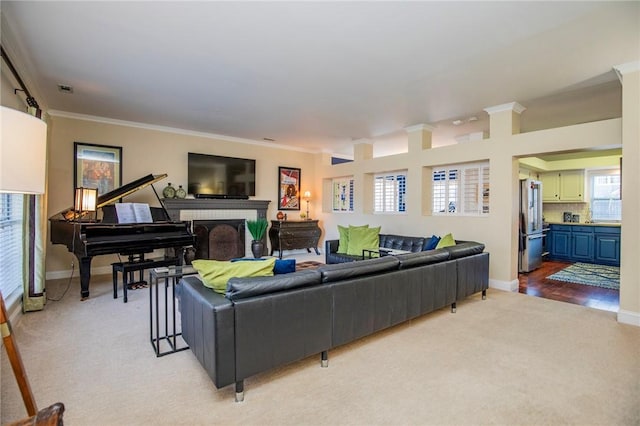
(65, 89)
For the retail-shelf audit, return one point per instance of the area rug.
(310, 264)
(588, 274)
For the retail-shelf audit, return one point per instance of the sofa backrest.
(242, 288)
(401, 242)
(411, 260)
(464, 249)
(342, 271)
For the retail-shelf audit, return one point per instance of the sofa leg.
(453, 308)
(484, 294)
(240, 391)
(324, 359)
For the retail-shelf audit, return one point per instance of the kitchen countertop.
(583, 224)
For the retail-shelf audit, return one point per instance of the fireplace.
(219, 239)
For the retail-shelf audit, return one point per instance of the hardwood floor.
(536, 284)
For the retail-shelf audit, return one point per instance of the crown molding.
(105, 120)
(626, 68)
(511, 106)
(417, 127)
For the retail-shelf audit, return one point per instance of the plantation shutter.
(11, 241)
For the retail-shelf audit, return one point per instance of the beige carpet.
(511, 360)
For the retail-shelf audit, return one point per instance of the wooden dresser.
(294, 234)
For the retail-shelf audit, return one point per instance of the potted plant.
(257, 228)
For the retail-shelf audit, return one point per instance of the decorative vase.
(280, 216)
(180, 192)
(257, 248)
(169, 191)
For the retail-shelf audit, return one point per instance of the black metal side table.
(170, 275)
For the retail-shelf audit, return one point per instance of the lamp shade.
(85, 199)
(23, 152)
(306, 195)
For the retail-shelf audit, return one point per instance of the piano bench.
(128, 268)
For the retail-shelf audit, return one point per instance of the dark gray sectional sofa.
(265, 322)
(388, 241)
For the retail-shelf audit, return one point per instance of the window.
(390, 193)
(605, 202)
(342, 194)
(461, 190)
(11, 242)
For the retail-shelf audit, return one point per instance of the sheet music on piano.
(133, 213)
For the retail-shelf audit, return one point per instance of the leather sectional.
(265, 322)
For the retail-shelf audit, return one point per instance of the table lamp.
(307, 196)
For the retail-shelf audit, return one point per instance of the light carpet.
(509, 360)
(589, 274)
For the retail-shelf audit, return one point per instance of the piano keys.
(88, 239)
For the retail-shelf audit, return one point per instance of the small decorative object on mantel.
(257, 228)
(180, 192)
(280, 216)
(169, 191)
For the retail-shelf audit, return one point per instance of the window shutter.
(11, 241)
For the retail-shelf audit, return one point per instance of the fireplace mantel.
(175, 205)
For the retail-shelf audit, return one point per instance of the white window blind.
(11, 241)
(390, 191)
(461, 190)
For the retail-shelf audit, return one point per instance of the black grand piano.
(88, 239)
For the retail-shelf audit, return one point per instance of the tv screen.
(213, 175)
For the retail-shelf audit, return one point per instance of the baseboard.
(504, 285)
(56, 275)
(629, 317)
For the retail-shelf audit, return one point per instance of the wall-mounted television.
(214, 176)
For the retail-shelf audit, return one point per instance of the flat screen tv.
(214, 176)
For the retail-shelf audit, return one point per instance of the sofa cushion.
(344, 233)
(431, 243)
(242, 288)
(343, 271)
(401, 242)
(216, 273)
(446, 241)
(362, 239)
(410, 260)
(463, 249)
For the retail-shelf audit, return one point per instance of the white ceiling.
(319, 75)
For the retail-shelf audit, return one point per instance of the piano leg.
(85, 276)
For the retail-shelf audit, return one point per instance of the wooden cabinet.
(607, 245)
(564, 186)
(591, 244)
(294, 234)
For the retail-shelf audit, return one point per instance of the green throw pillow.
(343, 243)
(446, 241)
(363, 238)
(216, 273)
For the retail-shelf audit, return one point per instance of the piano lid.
(113, 196)
(130, 188)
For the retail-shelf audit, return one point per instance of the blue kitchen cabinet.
(591, 244)
(582, 243)
(607, 245)
(560, 242)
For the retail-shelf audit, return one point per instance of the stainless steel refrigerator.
(531, 234)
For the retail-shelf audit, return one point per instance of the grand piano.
(88, 239)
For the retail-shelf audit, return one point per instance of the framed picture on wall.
(288, 188)
(97, 166)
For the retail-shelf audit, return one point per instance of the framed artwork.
(97, 166)
(288, 188)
